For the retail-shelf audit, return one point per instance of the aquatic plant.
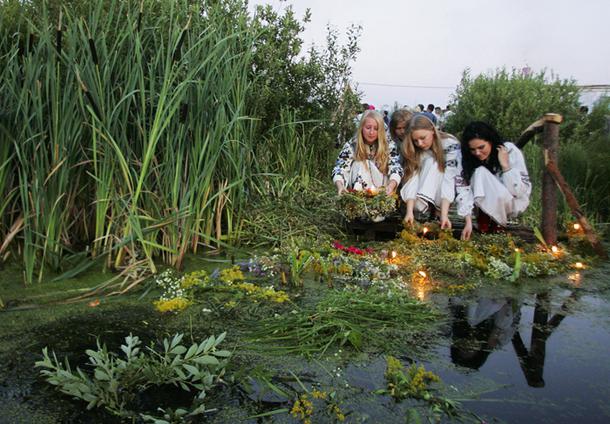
(414, 383)
(180, 292)
(361, 319)
(417, 383)
(116, 380)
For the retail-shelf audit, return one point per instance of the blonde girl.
(369, 160)
(432, 171)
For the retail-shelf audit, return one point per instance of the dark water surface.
(532, 353)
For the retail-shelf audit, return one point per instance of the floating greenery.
(360, 319)
(417, 383)
(367, 205)
(116, 380)
(179, 292)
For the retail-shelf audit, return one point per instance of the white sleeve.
(453, 168)
(516, 179)
(454, 186)
(343, 165)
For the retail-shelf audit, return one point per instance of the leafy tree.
(511, 101)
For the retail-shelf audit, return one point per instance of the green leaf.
(178, 350)
(192, 350)
(206, 360)
(101, 375)
(191, 369)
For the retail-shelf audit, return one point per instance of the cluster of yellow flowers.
(172, 305)
(415, 383)
(339, 415)
(303, 409)
(317, 394)
(193, 279)
(420, 379)
(266, 293)
(231, 275)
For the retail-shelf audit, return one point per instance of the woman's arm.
(409, 218)
(395, 170)
(343, 166)
(514, 172)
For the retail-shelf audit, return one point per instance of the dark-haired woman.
(495, 170)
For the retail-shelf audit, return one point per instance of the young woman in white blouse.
(432, 171)
(369, 160)
(495, 170)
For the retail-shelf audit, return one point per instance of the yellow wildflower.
(175, 304)
(194, 279)
(317, 394)
(230, 275)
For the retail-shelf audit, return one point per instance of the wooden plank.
(537, 127)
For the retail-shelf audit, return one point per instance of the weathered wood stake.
(553, 169)
(550, 142)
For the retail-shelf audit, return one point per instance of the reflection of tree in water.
(532, 361)
(481, 327)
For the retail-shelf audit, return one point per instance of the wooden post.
(550, 143)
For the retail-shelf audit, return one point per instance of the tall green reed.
(129, 133)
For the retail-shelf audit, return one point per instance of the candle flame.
(554, 249)
(579, 265)
(394, 254)
(577, 226)
(422, 274)
(425, 230)
(517, 250)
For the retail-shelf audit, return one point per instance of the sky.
(416, 51)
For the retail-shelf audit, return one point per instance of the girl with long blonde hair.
(432, 171)
(369, 160)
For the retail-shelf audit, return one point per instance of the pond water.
(537, 352)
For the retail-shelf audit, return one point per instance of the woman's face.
(401, 126)
(422, 139)
(480, 149)
(369, 131)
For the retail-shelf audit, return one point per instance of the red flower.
(338, 245)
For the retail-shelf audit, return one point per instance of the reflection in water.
(532, 361)
(479, 328)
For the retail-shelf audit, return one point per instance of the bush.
(511, 101)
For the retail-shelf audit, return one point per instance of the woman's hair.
(483, 131)
(399, 116)
(382, 157)
(412, 154)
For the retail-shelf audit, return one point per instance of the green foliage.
(367, 206)
(143, 144)
(373, 319)
(511, 101)
(116, 380)
(417, 383)
(584, 159)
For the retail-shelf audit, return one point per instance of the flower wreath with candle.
(367, 205)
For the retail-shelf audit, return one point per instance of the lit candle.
(422, 274)
(394, 254)
(425, 230)
(577, 226)
(579, 265)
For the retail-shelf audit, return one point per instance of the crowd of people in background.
(409, 153)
